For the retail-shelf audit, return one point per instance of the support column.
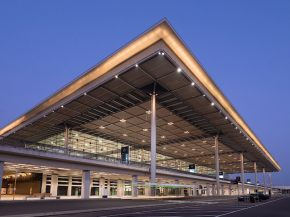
(54, 185)
(66, 141)
(213, 190)
(166, 190)
(69, 186)
(223, 190)
(153, 143)
(194, 189)
(120, 192)
(265, 186)
(86, 184)
(43, 184)
(177, 189)
(1, 174)
(270, 184)
(217, 170)
(101, 186)
(142, 158)
(230, 190)
(242, 173)
(147, 189)
(134, 187)
(208, 189)
(256, 180)
(182, 191)
(180, 165)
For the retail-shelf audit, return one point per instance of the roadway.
(196, 206)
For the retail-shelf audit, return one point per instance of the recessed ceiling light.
(186, 132)
(164, 147)
(162, 137)
(192, 83)
(212, 104)
(122, 120)
(85, 93)
(125, 135)
(116, 76)
(136, 65)
(170, 123)
(162, 53)
(159, 53)
(193, 149)
(226, 117)
(145, 129)
(101, 127)
(175, 151)
(179, 69)
(204, 141)
(148, 112)
(182, 145)
(143, 141)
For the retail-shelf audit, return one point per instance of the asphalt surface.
(197, 206)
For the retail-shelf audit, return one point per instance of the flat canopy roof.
(191, 109)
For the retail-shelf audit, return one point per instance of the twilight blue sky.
(244, 45)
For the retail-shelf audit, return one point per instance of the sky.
(244, 46)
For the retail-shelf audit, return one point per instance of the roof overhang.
(167, 39)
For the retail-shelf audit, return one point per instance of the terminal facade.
(148, 120)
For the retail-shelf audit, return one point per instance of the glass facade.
(81, 143)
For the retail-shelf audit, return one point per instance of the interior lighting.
(185, 154)
(122, 120)
(145, 129)
(230, 155)
(186, 132)
(170, 123)
(204, 141)
(182, 145)
(125, 135)
(136, 65)
(164, 147)
(212, 104)
(192, 83)
(193, 149)
(62, 106)
(148, 112)
(212, 157)
(226, 117)
(86, 144)
(179, 69)
(162, 137)
(116, 76)
(101, 127)
(143, 140)
(159, 53)
(175, 151)
(203, 95)
(162, 53)
(85, 93)
(221, 150)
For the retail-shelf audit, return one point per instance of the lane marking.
(250, 207)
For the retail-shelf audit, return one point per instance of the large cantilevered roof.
(113, 90)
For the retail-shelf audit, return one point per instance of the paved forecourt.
(197, 206)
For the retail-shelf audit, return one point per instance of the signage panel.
(125, 155)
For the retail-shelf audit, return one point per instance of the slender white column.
(134, 187)
(66, 141)
(86, 184)
(265, 186)
(101, 186)
(43, 185)
(120, 192)
(153, 143)
(208, 189)
(213, 190)
(147, 189)
(217, 170)
(242, 173)
(69, 186)
(177, 190)
(256, 179)
(194, 189)
(54, 185)
(1, 174)
(223, 190)
(270, 183)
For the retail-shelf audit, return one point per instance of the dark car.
(264, 196)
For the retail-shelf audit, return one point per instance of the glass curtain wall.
(82, 143)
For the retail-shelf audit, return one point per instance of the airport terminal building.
(146, 121)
